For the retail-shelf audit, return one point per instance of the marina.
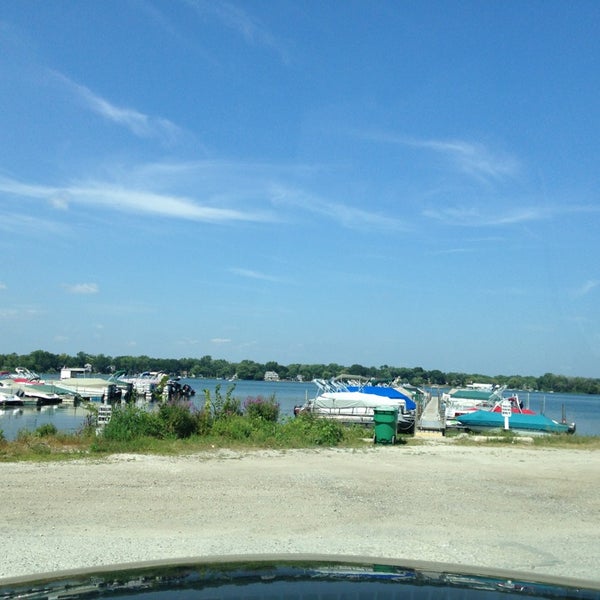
(582, 409)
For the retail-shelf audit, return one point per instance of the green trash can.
(385, 419)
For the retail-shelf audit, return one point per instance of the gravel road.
(518, 508)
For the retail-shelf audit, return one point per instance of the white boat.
(24, 375)
(460, 401)
(76, 381)
(29, 387)
(8, 399)
(41, 394)
(145, 383)
(352, 400)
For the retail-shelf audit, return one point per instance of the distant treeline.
(41, 361)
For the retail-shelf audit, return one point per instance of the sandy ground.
(518, 508)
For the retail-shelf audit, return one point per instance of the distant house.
(271, 376)
(72, 372)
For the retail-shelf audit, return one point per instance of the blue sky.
(401, 183)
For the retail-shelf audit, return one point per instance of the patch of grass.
(47, 446)
(131, 424)
(584, 442)
(102, 445)
(46, 430)
(181, 428)
(501, 437)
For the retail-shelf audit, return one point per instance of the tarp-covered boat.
(531, 423)
(353, 401)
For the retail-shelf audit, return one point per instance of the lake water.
(583, 410)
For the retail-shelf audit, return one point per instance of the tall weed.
(266, 409)
(221, 406)
(233, 428)
(178, 419)
(308, 430)
(130, 422)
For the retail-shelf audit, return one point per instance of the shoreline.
(530, 510)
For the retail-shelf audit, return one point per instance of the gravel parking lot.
(510, 507)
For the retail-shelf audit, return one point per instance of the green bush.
(130, 422)
(221, 406)
(46, 430)
(203, 422)
(261, 408)
(178, 419)
(308, 430)
(233, 428)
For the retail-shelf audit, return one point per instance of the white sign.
(506, 413)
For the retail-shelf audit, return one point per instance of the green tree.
(436, 377)
(41, 361)
(248, 369)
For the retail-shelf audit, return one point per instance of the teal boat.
(486, 420)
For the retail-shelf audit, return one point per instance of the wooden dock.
(431, 418)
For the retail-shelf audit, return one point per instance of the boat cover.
(385, 392)
(522, 421)
(472, 394)
(340, 400)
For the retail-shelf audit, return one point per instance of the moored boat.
(75, 381)
(41, 394)
(145, 383)
(30, 389)
(24, 375)
(510, 415)
(352, 400)
(459, 401)
(10, 399)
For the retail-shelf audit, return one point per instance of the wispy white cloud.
(139, 123)
(586, 288)
(473, 216)
(347, 216)
(13, 223)
(28, 190)
(232, 16)
(186, 37)
(250, 274)
(128, 199)
(473, 158)
(59, 202)
(21, 313)
(188, 342)
(220, 341)
(3, 286)
(81, 288)
(158, 17)
(148, 190)
(477, 216)
(140, 201)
